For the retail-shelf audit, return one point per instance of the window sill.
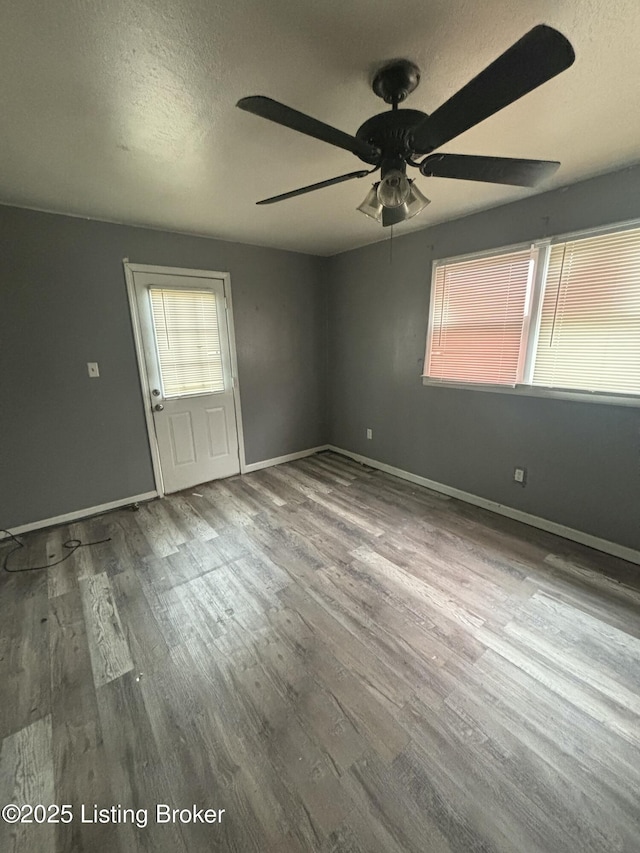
(539, 391)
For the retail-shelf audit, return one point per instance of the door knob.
(158, 407)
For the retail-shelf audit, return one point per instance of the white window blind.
(478, 316)
(590, 320)
(187, 340)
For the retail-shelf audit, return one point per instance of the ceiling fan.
(392, 140)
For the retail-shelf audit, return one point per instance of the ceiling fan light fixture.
(393, 189)
(415, 203)
(372, 205)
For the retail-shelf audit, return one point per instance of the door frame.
(225, 277)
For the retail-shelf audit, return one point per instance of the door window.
(187, 337)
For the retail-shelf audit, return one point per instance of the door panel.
(217, 432)
(187, 356)
(182, 444)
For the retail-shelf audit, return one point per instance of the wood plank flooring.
(341, 661)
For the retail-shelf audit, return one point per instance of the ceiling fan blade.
(313, 187)
(281, 114)
(537, 57)
(493, 170)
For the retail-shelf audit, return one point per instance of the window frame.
(531, 326)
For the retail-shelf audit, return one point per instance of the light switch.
(92, 367)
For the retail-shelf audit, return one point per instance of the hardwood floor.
(342, 661)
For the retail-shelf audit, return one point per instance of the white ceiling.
(124, 109)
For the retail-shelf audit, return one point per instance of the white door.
(185, 338)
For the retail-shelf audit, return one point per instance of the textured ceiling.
(124, 109)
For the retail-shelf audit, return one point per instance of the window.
(187, 340)
(562, 314)
(479, 311)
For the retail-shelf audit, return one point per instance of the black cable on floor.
(71, 544)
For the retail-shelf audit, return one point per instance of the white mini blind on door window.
(590, 323)
(478, 319)
(187, 340)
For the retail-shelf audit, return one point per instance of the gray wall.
(583, 459)
(68, 442)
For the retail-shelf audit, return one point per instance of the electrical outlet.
(520, 475)
(369, 433)
(92, 368)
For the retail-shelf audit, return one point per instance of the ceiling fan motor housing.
(391, 133)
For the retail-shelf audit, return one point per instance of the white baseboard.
(80, 513)
(278, 460)
(518, 515)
